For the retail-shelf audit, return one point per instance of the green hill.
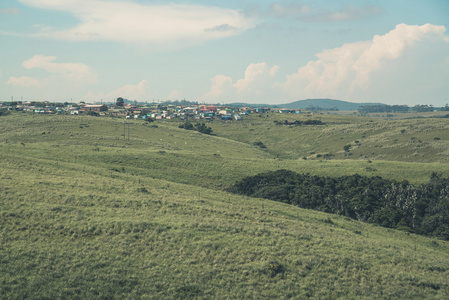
(87, 213)
(325, 104)
(309, 103)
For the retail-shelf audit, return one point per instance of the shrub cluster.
(260, 144)
(4, 112)
(200, 127)
(299, 123)
(420, 209)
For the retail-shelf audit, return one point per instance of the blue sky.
(395, 52)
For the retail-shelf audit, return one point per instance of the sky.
(253, 51)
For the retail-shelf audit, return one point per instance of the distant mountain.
(326, 104)
(310, 103)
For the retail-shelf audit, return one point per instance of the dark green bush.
(421, 209)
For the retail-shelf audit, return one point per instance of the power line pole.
(124, 130)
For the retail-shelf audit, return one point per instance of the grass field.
(87, 213)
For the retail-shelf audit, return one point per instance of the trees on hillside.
(421, 209)
(200, 127)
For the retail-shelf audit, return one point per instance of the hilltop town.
(155, 111)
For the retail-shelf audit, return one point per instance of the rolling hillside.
(326, 104)
(87, 213)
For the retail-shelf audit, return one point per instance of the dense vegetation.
(90, 210)
(299, 123)
(200, 127)
(422, 209)
(381, 108)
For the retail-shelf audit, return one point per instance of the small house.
(97, 108)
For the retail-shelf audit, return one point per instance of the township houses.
(155, 111)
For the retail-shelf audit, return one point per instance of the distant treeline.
(384, 108)
(314, 108)
(422, 209)
(299, 123)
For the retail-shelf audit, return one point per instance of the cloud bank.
(387, 68)
(60, 76)
(348, 70)
(310, 13)
(257, 82)
(130, 22)
(348, 13)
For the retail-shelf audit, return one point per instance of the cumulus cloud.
(24, 81)
(62, 78)
(140, 92)
(404, 66)
(257, 81)
(175, 95)
(221, 89)
(74, 72)
(348, 70)
(256, 76)
(161, 24)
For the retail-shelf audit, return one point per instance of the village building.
(95, 107)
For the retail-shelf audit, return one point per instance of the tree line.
(422, 209)
(299, 123)
(384, 108)
(200, 127)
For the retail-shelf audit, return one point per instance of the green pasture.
(86, 213)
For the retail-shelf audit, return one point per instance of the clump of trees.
(260, 144)
(120, 102)
(422, 209)
(4, 112)
(299, 123)
(200, 127)
(314, 108)
(384, 108)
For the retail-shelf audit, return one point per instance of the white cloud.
(72, 72)
(221, 89)
(292, 9)
(61, 79)
(256, 77)
(348, 70)
(9, 11)
(314, 14)
(125, 21)
(257, 82)
(175, 95)
(407, 65)
(349, 13)
(140, 92)
(24, 81)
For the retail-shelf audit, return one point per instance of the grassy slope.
(86, 214)
(411, 140)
